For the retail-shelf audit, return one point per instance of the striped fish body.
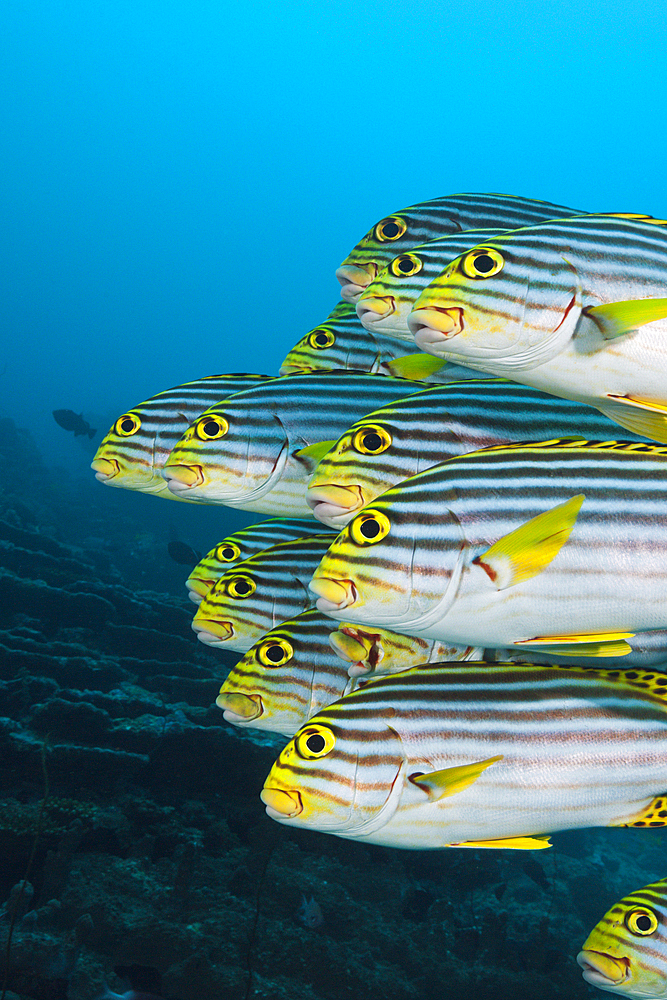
(260, 593)
(242, 545)
(476, 755)
(429, 427)
(255, 452)
(384, 306)
(431, 220)
(135, 449)
(342, 342)
(288, 675)
(440, 557)
(576, 307)
(626, 952)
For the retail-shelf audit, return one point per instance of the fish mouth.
(198, 589)
(281, 804)
(333, 595)
(373, 309)
(212, 631)
(354, 279)
(105, 469)
(360, 649)
(603, 970)
(334, 505)
(181, 478)
(239, 708)
(431, 326)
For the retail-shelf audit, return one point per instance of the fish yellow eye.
(227, 552)
(369, 527)
(320, 339)
(241, 586)
(210, 428)
(127, 425)
(641, 921)
(406, 265)
(314, 741)
(275, 652)
(483, 262)
(391, 228)
(371, 440)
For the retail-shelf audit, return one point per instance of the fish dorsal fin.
(439, 784)
(651, 682)
(414, 366)
(586, 644)
(313, 453)
(615, 319)
(527, 550)
(509, 843)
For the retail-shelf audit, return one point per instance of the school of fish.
(456, 607)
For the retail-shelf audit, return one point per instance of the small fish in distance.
(183, 553)
(71, 421)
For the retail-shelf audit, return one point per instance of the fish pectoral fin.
(586, 644)
(638, 415)
(528, 550)
(415, 366)
(509, 843)
(313, 453)
(653, 815)
(615, 319)
(449, 781)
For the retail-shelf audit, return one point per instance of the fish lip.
(177, 485)
(101, 474)
(199, 588)
(229, 715)
(328, 510)
(592, 972)
(204, 629)
(382, 308)
(433, 324)
(324, 603)
(279, 795)
(354, 279)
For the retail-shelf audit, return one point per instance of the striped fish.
(431, 220)
(242, 545)
(626, 952)
(558, 545)
(258, 451)
(427, 428)
(134, 451)
(260, 593)
(384, 306)
(477, 755)
(577, 307)
(342, 342)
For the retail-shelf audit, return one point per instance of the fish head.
(209, 569)
(226, 618)
(288, 676)
(378, 651)
(233, 454)
(133, 452)
(393, 566)
(500, 306)
(339, 342)
(338, 775)
(626, 952)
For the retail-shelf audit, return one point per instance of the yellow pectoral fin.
(639, 415)
(511, 843)
(415, 366)
(526, 551)
(313, 453)
(587, 644)
(440, 784)
(615, 319)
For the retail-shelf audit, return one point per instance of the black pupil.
(405, 265)
(369, 528)
(128, 425)
(242, 587)
(211, 427)
(274, 653)
(321, 339)
(315, 743)
(390, 230)
(483, 263)
(644, 923)
(228, 552)
(372, 441)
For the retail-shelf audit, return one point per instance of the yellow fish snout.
(105, 469)
(181, 478)
(239, 707)
(603, 970)
(280, 803)
(331, 503)
(333, 595)
(373, 308)
(354, 278)
(212, 631)
(431, 326)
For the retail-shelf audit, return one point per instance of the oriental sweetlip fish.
(133, 452)
(559, 546)
(429, 427)
(259, 593)
(478, 755)
(242, 545)
(342, 342)
(385, 305)
(577, 307)
(430, 220)
(259, 449)
(626, 952)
